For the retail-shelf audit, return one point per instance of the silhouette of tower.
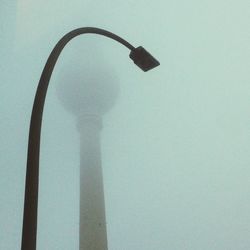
(89, 90)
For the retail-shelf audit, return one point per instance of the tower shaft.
(93, 235)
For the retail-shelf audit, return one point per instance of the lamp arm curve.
(29, 230)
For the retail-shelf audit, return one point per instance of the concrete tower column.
(93, 233)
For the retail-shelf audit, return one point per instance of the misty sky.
(175, 141)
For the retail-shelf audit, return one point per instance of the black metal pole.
(140, 56)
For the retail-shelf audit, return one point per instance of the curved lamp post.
(140, 57)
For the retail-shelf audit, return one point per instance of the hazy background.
(175, 144)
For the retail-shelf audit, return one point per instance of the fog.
(174, 142)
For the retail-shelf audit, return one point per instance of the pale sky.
(175, 144)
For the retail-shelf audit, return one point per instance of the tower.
(88, 91)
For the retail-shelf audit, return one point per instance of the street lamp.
(141, 58)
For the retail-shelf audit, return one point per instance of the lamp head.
(143, 59)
